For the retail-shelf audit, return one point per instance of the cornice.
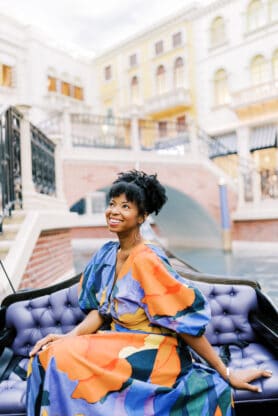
(210, 8)
(183, 15)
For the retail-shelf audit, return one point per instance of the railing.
(10, 162)
(269, 183)
(255, 93)
(11, 155)
(43, 162)
(89, 130)
(171, 138)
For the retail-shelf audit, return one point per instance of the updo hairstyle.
(145, 190)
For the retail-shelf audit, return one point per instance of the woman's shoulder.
(103, 251)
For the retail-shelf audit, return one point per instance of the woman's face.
(122, 215)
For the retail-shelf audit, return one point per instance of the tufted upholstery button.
(29, 307)
(232, 293)
(225, 313)
(49, 306)
(237, 331)
(216, 331)
(58, 323)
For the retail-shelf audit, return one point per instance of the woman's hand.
(44, 342)
(240, 379)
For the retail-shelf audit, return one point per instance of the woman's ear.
(142, 219)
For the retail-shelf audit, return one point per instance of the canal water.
(260, 266)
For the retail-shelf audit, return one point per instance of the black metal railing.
(10, 162)
(43, 162)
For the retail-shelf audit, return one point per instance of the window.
(180, 123)
(78, 93)
(52, 84)
(162, 129)
(65, 88)
(178, 73)
(134, 90)
(217, 31)
(255, 17)
(177, 39)
(258, 70)
(221, 90)
(273, 8)
(133, 60)
(275, 65)
(161, 79)
(6, 72)
(158, 47)
(107, 73)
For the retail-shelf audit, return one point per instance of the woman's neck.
(127, 243)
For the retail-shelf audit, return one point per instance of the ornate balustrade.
(255, 94)
(10, 161)
(43, 162)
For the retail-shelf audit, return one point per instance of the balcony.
(261, 94)
(178, 99)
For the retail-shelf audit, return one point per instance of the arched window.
(160, 79)
(254, 15)
(221, 89)
(217, 31)
(178, 73)
(258, 70)
(273, 9)
(275, 65)
(134, 90)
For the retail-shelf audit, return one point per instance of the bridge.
(68, 159)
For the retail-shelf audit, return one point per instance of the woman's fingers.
(43, 343)
(251, 374)
(240, 379)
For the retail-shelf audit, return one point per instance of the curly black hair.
(143, 189)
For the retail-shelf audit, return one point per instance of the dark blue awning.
(263, 137)
(223, 145)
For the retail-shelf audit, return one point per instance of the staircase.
(11, 226)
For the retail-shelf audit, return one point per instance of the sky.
(93, 25)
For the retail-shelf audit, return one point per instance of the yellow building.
(149, 78)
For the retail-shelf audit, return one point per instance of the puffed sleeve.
(168, 299)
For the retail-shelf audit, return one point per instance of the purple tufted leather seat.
(231, 306)
(32, 319)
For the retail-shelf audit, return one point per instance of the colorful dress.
(139, 366)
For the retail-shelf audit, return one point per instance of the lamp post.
(225, 216)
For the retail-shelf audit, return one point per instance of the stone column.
(67, 138)
(193, 137)
(135, 140)
(244, 161)
(28, 189)
(58, 167)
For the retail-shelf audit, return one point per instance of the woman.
(130, 355)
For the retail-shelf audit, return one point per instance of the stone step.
(17, 217)
(4, 248)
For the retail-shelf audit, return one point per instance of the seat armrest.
(6, 338)
(266, 329)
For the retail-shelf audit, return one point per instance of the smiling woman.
(131, 353)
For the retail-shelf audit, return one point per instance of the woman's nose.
(115, 209)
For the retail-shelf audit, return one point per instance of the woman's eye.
(125, 206)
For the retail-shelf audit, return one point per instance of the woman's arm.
(90, 324)
(238, 379)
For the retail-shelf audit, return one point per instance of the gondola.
(243, 330)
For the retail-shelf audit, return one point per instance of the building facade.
(215, 66)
